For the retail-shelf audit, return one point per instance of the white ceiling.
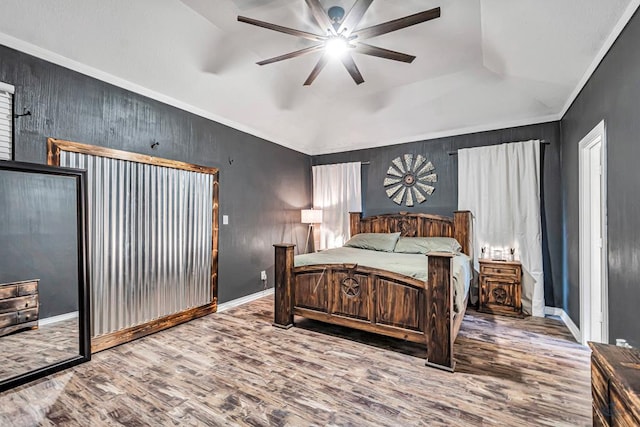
(484, 64)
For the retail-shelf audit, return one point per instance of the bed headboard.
(460, 227)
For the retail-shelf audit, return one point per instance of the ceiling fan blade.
(305, 51)
(316, 70)
(280, 28)
(352, 68)
(354, 16)
(321, 16)
(383, 53)
(397, 24)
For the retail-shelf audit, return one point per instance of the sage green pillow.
(384, 242)
(424, 245)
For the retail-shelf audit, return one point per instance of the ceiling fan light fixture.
(336, 46)
(336, 14)
(341, 36)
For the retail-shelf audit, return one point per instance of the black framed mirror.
(44, 289)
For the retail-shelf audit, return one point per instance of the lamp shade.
(311, 216)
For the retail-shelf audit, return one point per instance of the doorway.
(594, 316)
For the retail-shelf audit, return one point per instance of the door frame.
(597, 134)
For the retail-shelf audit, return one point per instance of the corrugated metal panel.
(6, 124)
(149, 240)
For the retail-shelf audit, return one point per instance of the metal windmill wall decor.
(410, 180)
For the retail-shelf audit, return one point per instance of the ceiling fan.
(341, 37)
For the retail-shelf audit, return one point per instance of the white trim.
(87, 70)
(6, 87)
(443, 134)
(63, 61)
(613, 36)
(555, 311)
(595, 136)
(58, 318)
(244, 300)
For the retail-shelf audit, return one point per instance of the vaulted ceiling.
(484, 64)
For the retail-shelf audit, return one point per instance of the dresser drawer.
(29, 315)
(8, 319)
(621, 414)
(600, 390)
(8, 291)
(28, 288)
(599, 419)
(501, 270)
(18, 303)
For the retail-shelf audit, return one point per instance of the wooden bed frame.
(376, 300)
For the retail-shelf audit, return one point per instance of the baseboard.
(556, 311)
(244, 300)
(58, 318)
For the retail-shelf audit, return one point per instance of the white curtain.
(336, 190)
(500, 184)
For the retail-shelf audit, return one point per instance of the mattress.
(411, 265)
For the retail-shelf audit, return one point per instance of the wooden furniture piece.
(615, 385)
(148, 316)
(500, 287)
(386, 303)
(18, 306)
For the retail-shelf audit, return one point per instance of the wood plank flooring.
(31, 349)
(234, 368)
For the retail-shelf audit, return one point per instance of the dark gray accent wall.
(263, 185)
(445, 198)
(613, 94)
(39, 236)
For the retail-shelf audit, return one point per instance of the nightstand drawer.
(500, 270)
(501, 293)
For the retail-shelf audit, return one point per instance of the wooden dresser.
(18, 306)
(615, 385)
(500, 287)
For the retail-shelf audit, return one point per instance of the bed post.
(463, 231)
(354, 223)
(283, 307)
(438, 328)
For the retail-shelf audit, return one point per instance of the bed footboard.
(372, 300)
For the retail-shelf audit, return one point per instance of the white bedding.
(412, 265)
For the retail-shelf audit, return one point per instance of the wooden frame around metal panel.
(103, 342)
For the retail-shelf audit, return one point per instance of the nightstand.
(500, 287)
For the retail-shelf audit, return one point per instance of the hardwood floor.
(32, 349)
(234, 368)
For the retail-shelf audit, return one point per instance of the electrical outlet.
(263, 275)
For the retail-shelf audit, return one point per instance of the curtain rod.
(455, 153)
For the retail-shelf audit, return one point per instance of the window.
(6, 121)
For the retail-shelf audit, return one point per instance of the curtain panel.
(500, 184)
(337, 191)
